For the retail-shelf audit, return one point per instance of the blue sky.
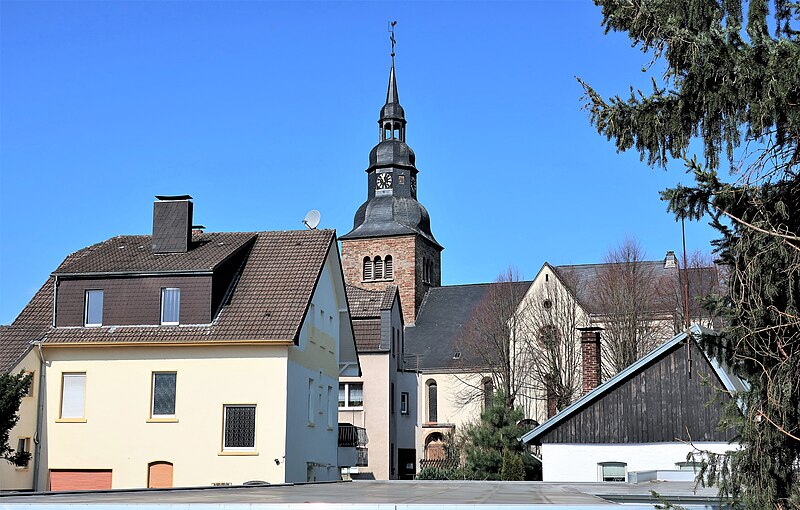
(264, 110)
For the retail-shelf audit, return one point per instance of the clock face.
(384, 181)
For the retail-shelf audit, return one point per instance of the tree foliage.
(732, 76)
(12, 389)
(492, 449)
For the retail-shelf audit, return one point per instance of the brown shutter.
(159, 475)
(80, 480)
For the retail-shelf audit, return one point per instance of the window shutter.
(367, 269)
(73, 395)
(378, 268)
(388, 267)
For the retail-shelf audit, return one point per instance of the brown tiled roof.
(368, 334)
(31, 324)
(369, 303)
(134, 254)
(269, 302)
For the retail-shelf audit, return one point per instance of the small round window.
(547, 304)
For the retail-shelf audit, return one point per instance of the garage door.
(79, 480)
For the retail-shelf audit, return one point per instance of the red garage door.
(79, 480)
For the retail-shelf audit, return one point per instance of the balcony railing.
(352, 436)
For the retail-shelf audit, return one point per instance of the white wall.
(578, 462)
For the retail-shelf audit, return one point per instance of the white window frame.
(225, 448)
(331, 412)
(153, 395)
(404, 396)
(312, 416)
(86, 295)
(164, 290)
(64, 377)
(26, 447)
(347, 405)
(601, 471)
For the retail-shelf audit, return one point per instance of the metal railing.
(351, 436)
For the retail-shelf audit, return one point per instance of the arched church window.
(488, 392)
(378, 268)
(367, 268)
(432, 402)
(388, 269)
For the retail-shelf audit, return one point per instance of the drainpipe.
(37, 454)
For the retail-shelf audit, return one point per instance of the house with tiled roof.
(184, 358)
(381, 400)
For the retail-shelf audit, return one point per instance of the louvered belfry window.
(378, 268)
(367, 268)
(164, 394)
(240, 427)
(387, 267)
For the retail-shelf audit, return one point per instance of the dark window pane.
(240, 427)
(94, 307)
(432, 404)
(164, 394)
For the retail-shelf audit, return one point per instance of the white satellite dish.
(312, 219)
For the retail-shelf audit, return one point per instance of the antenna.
(312, 219)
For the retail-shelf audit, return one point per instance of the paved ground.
(382, 494)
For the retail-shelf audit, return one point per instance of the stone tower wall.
(403, 250)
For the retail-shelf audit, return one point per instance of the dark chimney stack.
(590, 354)
(172, 224)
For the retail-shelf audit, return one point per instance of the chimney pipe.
(172, 224)
(590, 354)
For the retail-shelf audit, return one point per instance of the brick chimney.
(590, 354)
(172, 224)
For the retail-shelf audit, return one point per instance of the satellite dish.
(312, 219)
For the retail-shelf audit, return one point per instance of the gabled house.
(648, 417)
(185, 358)
(382, 400)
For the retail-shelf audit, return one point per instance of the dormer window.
(170, 306)
(93, 308)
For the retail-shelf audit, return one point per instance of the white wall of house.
(312, 388)
(13, 477)
(579, 462)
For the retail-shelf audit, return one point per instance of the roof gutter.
(203, 272)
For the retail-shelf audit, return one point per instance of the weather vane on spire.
(391, 37)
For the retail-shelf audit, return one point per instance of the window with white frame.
(24, 446)
(164, 386)
(93, 308)
(239, 433)
(404, 403)
(73, 395)
(351, 395)
(329, 402)
(170, 306)
(612, 471)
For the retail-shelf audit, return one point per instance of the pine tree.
(490, 444)
(730, 77)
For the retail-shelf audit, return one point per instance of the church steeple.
(391, 240)
(392, 122)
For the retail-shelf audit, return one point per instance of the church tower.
(391, 240)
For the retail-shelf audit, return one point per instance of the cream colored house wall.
(451, 409)
(117, 432)
(12, 477)
(374, 416)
